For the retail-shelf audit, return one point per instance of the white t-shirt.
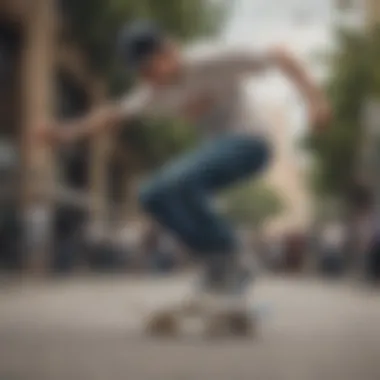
(208, 93)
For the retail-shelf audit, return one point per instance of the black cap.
(138, 41)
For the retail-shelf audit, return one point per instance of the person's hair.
(138, 42)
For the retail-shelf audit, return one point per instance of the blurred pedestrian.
(332, 244)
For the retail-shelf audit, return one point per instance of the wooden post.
(37, 82)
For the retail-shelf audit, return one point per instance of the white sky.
(304, 26)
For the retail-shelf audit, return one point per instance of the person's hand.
(320, 113)
(281, 55)
(53, 134)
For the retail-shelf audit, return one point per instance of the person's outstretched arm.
(107, 117)
(246, 62)
(319, 108)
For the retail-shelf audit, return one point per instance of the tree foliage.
(253, 204)
(355, 77)
(154, 143)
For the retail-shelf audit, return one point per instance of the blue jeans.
(178, 196)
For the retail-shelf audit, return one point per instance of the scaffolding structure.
(38, 23)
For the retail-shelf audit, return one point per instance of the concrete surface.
(90, 328)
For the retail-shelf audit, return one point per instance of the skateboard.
(215, 319)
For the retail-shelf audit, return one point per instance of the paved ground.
(81, 329)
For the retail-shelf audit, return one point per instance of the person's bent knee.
(260, 153)
(153, 195)
(264, 153)
(148, 197)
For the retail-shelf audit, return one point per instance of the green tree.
(355, 76)
(252, 204)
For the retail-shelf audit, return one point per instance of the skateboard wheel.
(163, 324)
(215, 327)
(240, 324)
(230, 324)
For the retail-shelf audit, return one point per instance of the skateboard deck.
(212, 317)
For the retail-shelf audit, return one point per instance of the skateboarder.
(205, 90)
